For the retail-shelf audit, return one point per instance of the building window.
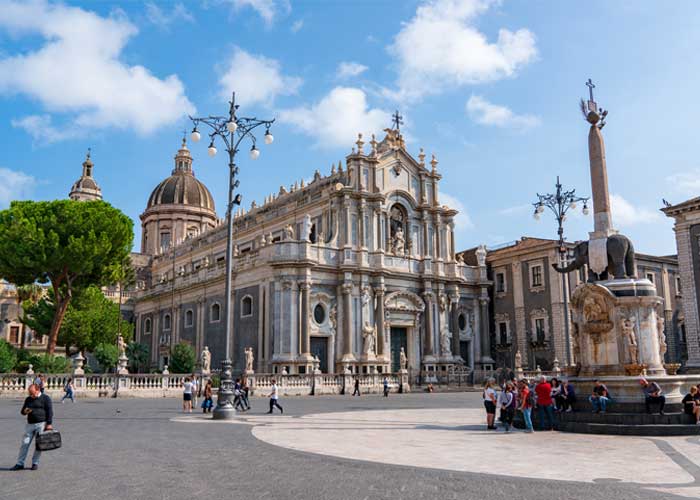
(539, 330)
(650, 277)
(246, 306)
(503, 333)
(319, 314)
(165, 240)
(166, 322)
(147, 326)
(536, 276)
(678, 285)
(14, 335)
(215, 313)
(500, 282)
(189, 318)
(462, 322)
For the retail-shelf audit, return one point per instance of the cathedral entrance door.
(399, 339)
(464, 351)
(319, 348)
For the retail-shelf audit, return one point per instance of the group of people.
(549, 397)
(192, 390)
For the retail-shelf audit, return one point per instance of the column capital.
(346, 288)
(429, 295)
(379, 289)
(304, 285)
(484, 301)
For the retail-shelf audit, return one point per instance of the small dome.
(182, 188)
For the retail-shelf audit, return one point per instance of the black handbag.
(49, 440)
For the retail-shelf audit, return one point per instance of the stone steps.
(626, 418)
(630, 430)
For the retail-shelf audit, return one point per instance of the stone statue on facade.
(205, 360)
(460, 258)
(481, 255)
(306, 228)
(368, 339)
(443, 302)
(630, 340)
(445, 342)
(236, 251)
(333, 317)
(289, 232)
(398, 243)
(660, 322)
(518, 361)
(403, 360)
(263, 240)
(249, 359)
(121, 345)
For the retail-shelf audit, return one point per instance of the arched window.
(147, 326)
(246, 306)
(166, 322)
(215, 313)
(189, 318)
(462, 322)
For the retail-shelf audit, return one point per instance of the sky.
(490, 87)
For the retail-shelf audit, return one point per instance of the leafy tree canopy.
(8, 357)
(138, 355)
(70, 244)
(182, 359)
(107, 356)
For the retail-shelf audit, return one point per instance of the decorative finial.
(421, 157)
(296, 185)
(340, 167)
(332, 168)
(88, 153)
(593, 114)
(353, 150)
(360, 143)
(397, 120)
(302, 183)
(433, 163)
(373, 143)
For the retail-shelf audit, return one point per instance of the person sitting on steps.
(600, 397)
(652, 395)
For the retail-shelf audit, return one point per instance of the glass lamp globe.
(540, 208)
(195, 136)
(536, 216)
(585, 210)
(269, 137)
(231, 126)
(572, 205)
(254, 153)
(211, 149)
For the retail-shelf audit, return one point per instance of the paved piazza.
(407, 446)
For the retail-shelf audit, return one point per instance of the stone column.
(454, 315)
(348, 229)
(423, 195)
(599, 180)
(348, 355)
(155, 336)
(428, 296)
(486, 358)
(379, 319)
(305, 288)
(452, 242)
(361, 224)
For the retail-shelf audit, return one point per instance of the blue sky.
(490, 87)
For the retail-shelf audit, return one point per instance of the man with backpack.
(527, 402)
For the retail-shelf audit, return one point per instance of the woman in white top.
(490, 400)
(187, 388)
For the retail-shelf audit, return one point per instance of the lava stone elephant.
(620, 259)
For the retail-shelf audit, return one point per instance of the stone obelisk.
(602, 212)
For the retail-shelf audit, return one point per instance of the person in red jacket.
(545, 405)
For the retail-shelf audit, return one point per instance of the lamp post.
(230, 130)
(560, 203)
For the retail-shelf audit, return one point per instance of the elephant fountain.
(620, 251)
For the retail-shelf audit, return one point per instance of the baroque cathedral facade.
(343, 273)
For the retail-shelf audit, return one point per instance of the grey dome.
(182, 188)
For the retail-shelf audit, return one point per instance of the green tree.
(125, 279)
(69, 244)
(48, 363)
(182, 359)
(107, 356)
(30, 294)
(8, 357)
(138, 355)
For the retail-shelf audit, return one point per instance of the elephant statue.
(620, 259)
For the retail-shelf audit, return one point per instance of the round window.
(462, 321)
(319, 314)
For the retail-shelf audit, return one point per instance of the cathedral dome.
(182, 188)
(85, 188)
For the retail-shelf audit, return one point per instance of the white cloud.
(484, 112)
(516, 210)
(163, 19)
(350, 69)
(269, 10)
(625, 213)
(338, 117)
(42, 130)
(462, 219)
(15, 185)
(441, 48)
(686, 182)
(255, 79)
(78, 70)
(296, 26)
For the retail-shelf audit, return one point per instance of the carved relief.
(627, 327)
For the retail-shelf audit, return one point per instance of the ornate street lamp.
(230, 130)
(560, 203)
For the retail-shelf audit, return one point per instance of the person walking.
(386, 387)
(69, 390)
(489, 396)
(195, 390)
(274, 398)
(39, 411)
(245, 390)
(356, 392)
(527, 401)
(545, 405)
(187, 395)
(238, 403)
(208, 401)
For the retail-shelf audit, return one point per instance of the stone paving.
(410, 446)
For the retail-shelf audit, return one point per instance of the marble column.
(363, 229)
(454, 327)
(348, 355)
(485, 332)
(305, 288)
(348, 229)
(379, 319)
(428, 296)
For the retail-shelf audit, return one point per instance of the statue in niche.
(205, 360)
(368, 339)
(518, 360)
(630, 340)
(443, 302)
(397, 221)
(445, 342)
(289, 232)
(398, 242)
(660, 322)
(249, 359)
(403, 360)
(332, 317)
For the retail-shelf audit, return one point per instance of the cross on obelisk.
(397, 120)
(590, 86)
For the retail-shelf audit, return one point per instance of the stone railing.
(15, 385)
